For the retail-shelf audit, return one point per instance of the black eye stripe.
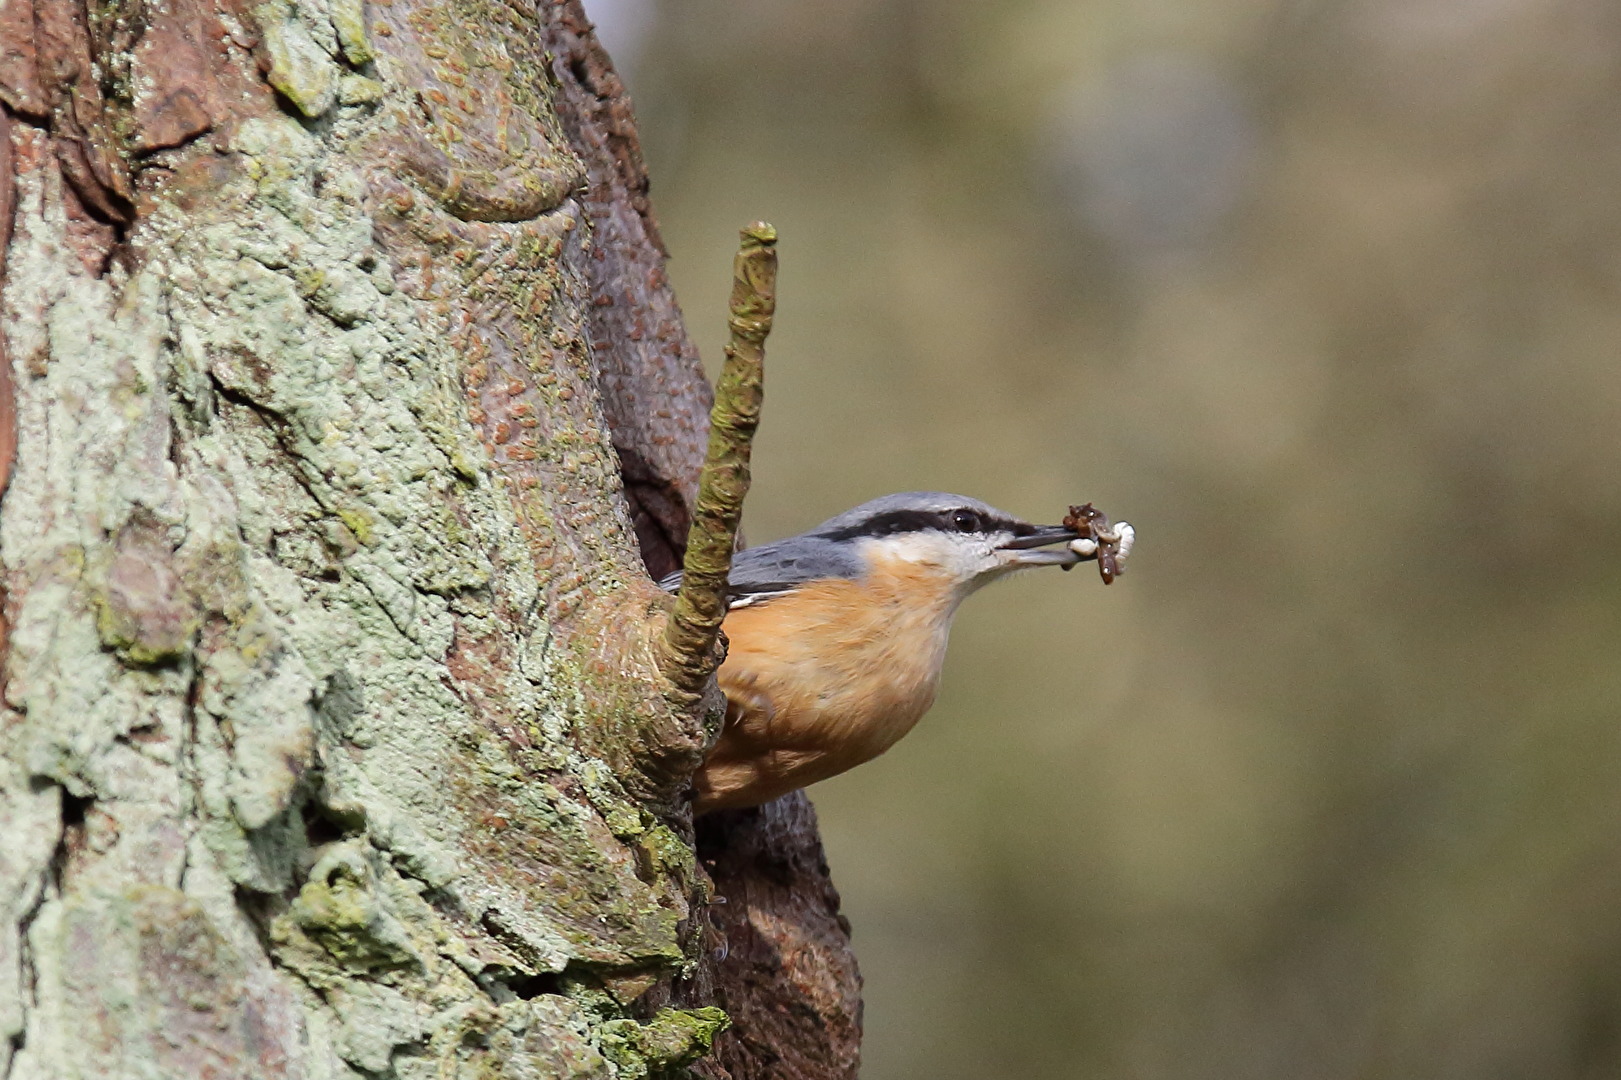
(894, 522)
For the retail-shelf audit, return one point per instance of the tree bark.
(344, 408)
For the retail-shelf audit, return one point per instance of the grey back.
(782, 565)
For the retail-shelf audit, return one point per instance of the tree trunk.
(339, 382)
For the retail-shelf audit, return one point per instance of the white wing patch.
(750, 599)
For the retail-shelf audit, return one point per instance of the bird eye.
(965, 521)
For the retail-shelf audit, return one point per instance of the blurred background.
(1325, 297)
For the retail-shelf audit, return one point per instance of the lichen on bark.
(334, 741)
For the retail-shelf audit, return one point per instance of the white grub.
(1125, 536)
(1084, 546)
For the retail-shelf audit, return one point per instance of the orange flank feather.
(824, 678)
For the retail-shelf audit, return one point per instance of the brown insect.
(1093, 524)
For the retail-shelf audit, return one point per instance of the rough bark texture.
(333, 742)
(788, 979)
(653, 392)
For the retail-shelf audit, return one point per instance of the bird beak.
(1022, 550)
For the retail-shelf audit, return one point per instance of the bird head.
(968, 542)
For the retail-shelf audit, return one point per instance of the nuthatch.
(837, 635)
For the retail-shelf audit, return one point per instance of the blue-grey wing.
(773, 569)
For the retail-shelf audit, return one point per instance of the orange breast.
(824, 679)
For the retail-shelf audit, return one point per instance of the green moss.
(668, 853)
(310, 280)
(349, 20)
(359, 90)
(672, 1039)
(122, 635)
(337, 910)
(299, 68)
(359, 523)
(139, 643)
(466, 465)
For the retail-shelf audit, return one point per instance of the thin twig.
(689, 655)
